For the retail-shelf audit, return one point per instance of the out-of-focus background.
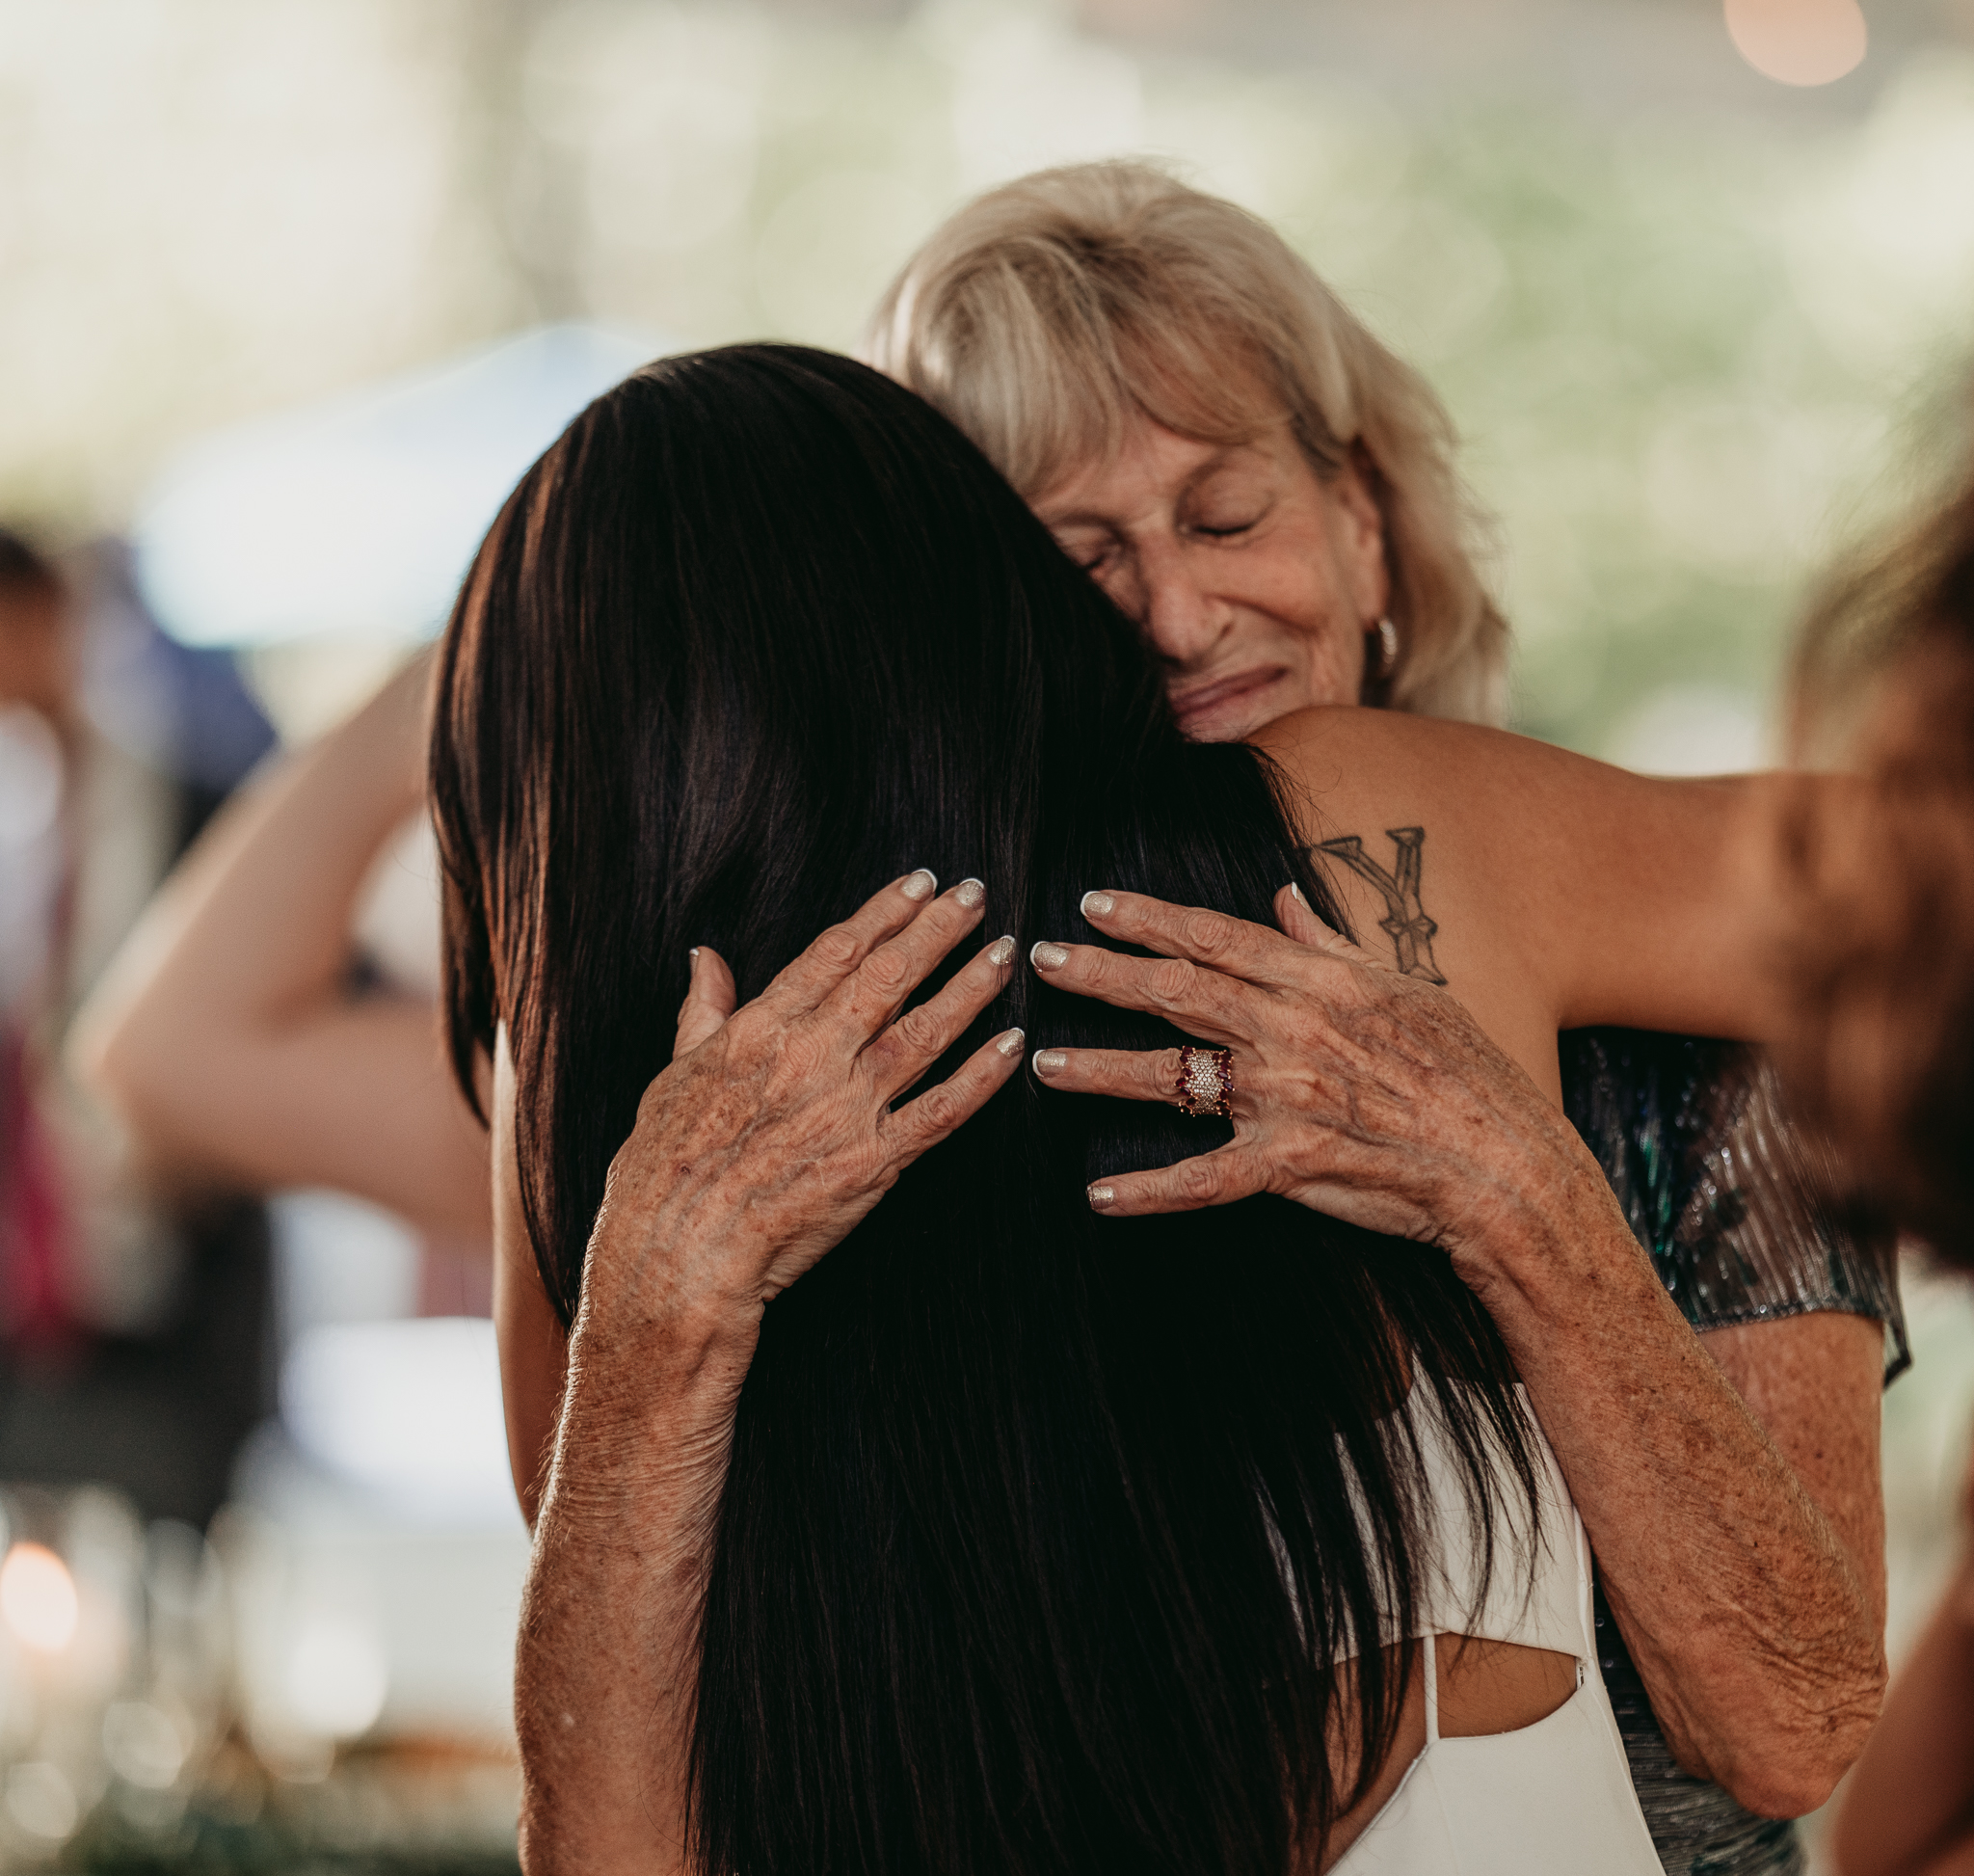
(290, 290)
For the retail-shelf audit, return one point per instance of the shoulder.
(1610, 896)
(1342, 760)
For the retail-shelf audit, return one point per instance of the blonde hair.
(1049, 314)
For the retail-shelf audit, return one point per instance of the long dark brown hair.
(1042, 1533)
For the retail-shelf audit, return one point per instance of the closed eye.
(1090, 555)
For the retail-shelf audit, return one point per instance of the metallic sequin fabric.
(1717, 1187)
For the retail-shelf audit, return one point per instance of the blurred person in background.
(1882, 1057)
(131, 1330)
(1246, 471)
(38, 744)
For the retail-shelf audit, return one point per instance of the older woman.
(1250, 474)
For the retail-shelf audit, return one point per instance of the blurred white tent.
(363, 513)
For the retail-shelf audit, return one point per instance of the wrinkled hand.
(1364, 1095)
(772, 1133)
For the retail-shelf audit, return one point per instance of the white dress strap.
(1431, 1691)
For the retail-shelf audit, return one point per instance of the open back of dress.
(1551, 1798)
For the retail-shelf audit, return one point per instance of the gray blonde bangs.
(1049, 315)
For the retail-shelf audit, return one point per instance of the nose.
(1183, 618)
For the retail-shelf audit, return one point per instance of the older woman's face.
(1255, 580)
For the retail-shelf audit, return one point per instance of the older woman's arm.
(223, 1032)
(753, 1155)
(1755, 1618)
(1550, 891)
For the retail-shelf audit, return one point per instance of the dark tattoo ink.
(1411, 931)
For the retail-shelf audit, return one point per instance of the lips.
(1201, 698)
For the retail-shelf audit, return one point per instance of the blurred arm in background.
(1909, 1808)
(229, 1034)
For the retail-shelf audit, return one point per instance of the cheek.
(1312, 612)
(1334, 664)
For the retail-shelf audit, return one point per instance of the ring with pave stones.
(1205, 1082)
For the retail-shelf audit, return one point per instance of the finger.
(1217, 1178)
(1131, 1074)
(842, 947)
(920, 1036)
(930, 1118)
(1216, 940)
(1293, 914)
(870, 997)
(710, 1000)
(1200, 1000)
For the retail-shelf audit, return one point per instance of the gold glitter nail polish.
(1046, 957)
(1001, 949)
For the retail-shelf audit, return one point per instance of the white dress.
(1551, 1799)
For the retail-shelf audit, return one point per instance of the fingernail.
(1045, 957)
(1096, 905)
(1103, 1197)
(1297, 891)
(1001, 949)
(693, 954)
(970, 893)
(1047, 1061)
(1010, 1044)
(921, 884)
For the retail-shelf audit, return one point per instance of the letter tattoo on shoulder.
(1411, 931)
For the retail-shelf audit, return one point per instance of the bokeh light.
(38, 1599)
(1798, 41)
(337, 1677)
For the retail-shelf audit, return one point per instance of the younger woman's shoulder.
(1617, 897)
(1346, 764)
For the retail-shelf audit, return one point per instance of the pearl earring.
(1387, 647)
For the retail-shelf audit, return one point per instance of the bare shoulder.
(1342, 762)
(1549, 880)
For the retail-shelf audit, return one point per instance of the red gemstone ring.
(1205, 1082)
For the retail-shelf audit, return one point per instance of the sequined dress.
(1712, 1179)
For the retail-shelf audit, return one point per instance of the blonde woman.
(1210, 431)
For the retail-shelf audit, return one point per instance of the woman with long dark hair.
(906, 1511)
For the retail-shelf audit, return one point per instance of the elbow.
(1781, 1788)
(138, 1077)
(112, 1063)
(1790, 1771)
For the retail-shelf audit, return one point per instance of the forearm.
(1908, 1809)
(607, 1661)
(254, 923)
(224, 1034)
(1757, 1634)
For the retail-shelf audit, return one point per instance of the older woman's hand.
(1358, 1091)
(773, 1132)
